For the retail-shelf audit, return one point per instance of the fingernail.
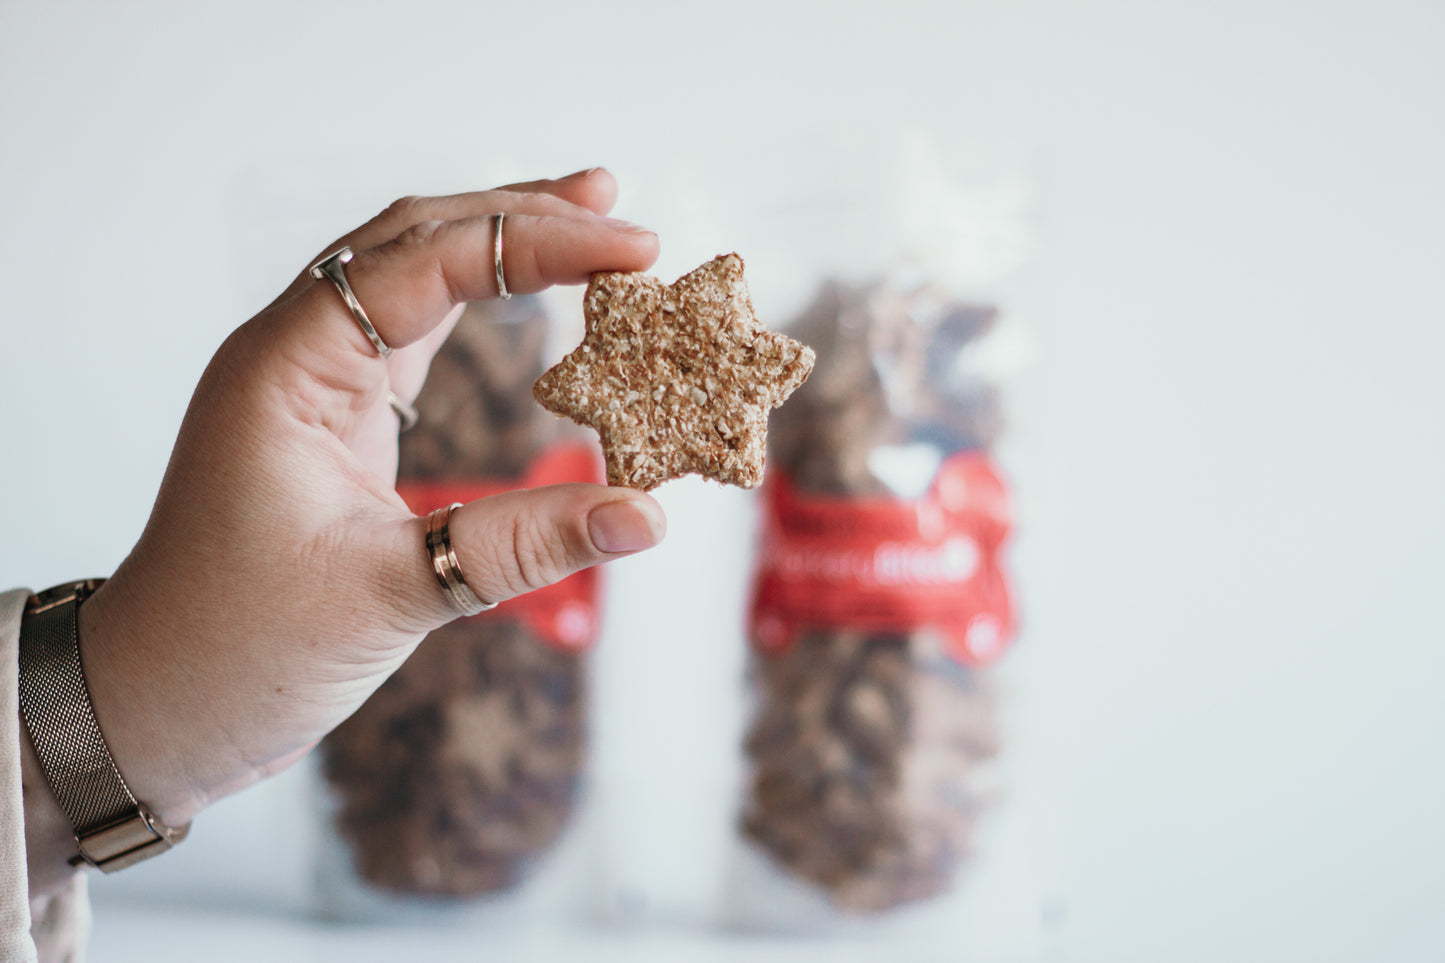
(625, 526)
(624, 227)
(579, 174)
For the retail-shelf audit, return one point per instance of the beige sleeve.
(51, 929)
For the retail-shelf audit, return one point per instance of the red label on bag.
(565, 615)
(889, 565)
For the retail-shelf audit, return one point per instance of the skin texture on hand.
(280, 579)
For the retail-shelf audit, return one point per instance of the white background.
(1228, 735)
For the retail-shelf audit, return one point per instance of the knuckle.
(539, 555)
(420, 234)
(404, 209)
(422, 246)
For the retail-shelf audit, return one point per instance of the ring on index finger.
(330, 266)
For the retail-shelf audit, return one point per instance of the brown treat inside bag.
(476, 415)
(890, 375)
(464, 765)
(676, 379)
(867, 748)
(865, 752)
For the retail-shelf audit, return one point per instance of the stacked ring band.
(445, 565)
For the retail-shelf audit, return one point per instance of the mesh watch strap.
(112, 829)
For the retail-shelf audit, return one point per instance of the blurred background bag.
(881, 600)
(452, 784)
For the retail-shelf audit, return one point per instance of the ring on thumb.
(519, 541)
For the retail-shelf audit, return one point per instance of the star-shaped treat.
(677, 379)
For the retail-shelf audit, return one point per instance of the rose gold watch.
(112, 829)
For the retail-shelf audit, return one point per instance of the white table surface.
(125, 933)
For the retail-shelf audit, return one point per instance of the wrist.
(145, 712)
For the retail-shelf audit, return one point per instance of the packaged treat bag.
(881, 607)
(878, 602)
(463, 770)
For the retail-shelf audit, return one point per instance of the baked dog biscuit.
(677, 379)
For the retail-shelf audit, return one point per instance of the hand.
(280, 579)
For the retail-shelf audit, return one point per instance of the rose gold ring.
(444, 563)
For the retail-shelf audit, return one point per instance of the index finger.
(409, 284)
(583, 194)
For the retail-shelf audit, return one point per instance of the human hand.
(280, 579)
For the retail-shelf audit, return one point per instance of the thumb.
(519, 541)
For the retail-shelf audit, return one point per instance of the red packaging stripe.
(565, 615)
(889, 565)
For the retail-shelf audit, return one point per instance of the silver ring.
(444, 563)
(497, 220)
(330, 267)
(407, 413)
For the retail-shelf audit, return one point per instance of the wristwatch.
(112, 829)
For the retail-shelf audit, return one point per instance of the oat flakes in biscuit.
(676, 379)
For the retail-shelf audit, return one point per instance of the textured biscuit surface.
(676, 379)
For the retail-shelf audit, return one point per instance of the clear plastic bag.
(881, 597)
(450, 786)
(878, 602)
